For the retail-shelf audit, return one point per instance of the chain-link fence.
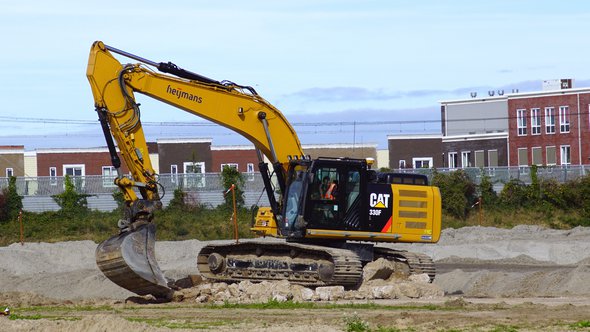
(211, 182)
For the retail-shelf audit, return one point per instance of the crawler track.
(303, 264)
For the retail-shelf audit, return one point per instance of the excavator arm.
(128, 259)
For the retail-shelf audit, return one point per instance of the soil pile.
(473, 261)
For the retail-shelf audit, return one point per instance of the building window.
(479, 159)
(564, 119)
(453, 160)
(9, 172)
(523, 157)
(232, 165)
(565, 155)
(402, 164)
(108, 176)
(250, 167)
(174, 173)
(535, 121)
(76, 173)
(74, 170)
(537, 156)
(493, 158)
(549, 120)
(422, 162)
(250, 171)
(466, 159)
(551, 159)
(53, 176)
(521, 122)
(194, 174)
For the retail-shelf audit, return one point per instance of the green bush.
(515, 194)
(10, 202)
(486, 191)
(229, 176)
(457, 192)
(70, 201)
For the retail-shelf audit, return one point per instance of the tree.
(10, 202)
(457, 192)
(229, 176)
(70, 201)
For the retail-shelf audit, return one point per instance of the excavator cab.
(323, 193)
(340, 199)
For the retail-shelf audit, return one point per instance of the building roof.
(101, 149)
(12, 149)
(416, 136)
(183, 140)
(516, 95)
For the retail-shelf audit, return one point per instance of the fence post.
(20, 220)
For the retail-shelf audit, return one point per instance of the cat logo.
(380, 201)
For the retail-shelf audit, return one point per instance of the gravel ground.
(526, 261)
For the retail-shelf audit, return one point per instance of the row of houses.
(550, 127)
(168, 156)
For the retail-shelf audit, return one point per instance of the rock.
(202, 299)
(282, 288)
(420, 278)
(385, 292)
(306, 294)
(177, 297)
(205, 289)
(279, 298)
(244, 285)
(234, 290)
(420, 290)
(219, 287)
(378, 269)
(330, 293)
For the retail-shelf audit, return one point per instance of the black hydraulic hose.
(108, 137)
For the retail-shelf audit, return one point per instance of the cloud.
(340, 94)
(343, 94)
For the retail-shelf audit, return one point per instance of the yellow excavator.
(330, 212)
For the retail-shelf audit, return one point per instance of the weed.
(581, 324)
(355, 324)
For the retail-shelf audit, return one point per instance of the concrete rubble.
(380, 282)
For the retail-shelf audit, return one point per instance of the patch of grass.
(274, 304)
(179, 324)
(581, 324)
(75, 308)
(504, 328)
(39, 316)
(355, 324)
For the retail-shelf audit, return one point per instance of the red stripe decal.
(387, 227)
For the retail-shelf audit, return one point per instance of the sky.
(341, 71)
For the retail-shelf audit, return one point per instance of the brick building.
(75, 162)
(12, 160)
(242, 157)
(185, 155)
(415, 151)
(549, 127)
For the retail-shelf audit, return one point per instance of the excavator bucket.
(128, 260)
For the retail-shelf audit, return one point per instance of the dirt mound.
(523, 261)
(535, 283)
